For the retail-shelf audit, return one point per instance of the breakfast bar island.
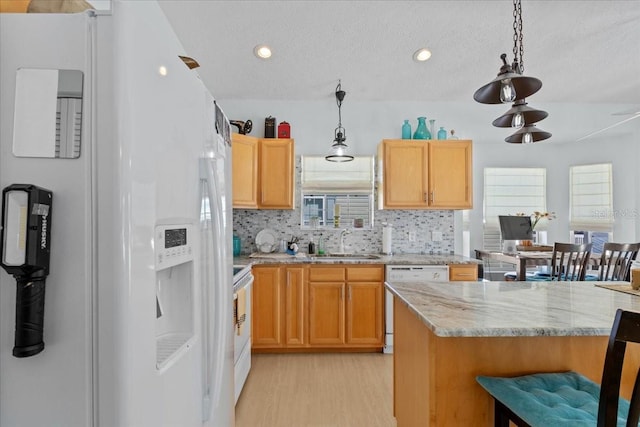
(447, 333)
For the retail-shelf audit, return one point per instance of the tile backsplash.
(411, 229)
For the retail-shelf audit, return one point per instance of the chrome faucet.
(343, 234)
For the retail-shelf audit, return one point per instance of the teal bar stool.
(568, 398)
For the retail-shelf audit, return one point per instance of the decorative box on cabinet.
(263, 172)
(425, 174)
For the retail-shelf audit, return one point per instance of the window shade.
(508, 191)
(591, 198)
(320, 176)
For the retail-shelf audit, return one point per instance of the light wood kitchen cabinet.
(275, 168)
(267, 307)
(279, 304)
(425, 174)
(295, 306)
(463, 272)
(309, 307)
(326, 313)
(244, 171)
(346, 306)
(262, 172)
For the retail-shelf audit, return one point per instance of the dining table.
(524, 259)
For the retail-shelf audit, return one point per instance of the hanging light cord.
(340, 131)
(518, 48)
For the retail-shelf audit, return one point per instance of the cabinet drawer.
(326, 274)
(365, 273)
(463, 272)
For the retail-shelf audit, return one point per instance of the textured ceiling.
(583, 51)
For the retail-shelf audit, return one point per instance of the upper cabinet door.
(450, 174)
(245, 171)
(405, 174)
(276, 174)
(426, 174)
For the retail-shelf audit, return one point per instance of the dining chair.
(569, 262)
(616, 260)
(569, 398)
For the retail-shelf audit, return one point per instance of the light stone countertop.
(493, 309)
(401, 259)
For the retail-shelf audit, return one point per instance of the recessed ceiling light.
(422, 55)
(262, 51)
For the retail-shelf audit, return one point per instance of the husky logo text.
(43, 233)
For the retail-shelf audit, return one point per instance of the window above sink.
(342, 190)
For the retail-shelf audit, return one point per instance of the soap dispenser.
(320, 245)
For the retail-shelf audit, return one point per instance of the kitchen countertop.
(499, 309)
(400, 259)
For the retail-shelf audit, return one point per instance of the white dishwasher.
(407, 273)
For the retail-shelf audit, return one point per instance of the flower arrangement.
(536, 216)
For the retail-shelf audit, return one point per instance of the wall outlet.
(412, 236)
(436, 236)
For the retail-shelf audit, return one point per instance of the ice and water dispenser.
(174, 264)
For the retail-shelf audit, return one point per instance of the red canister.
(284, 130)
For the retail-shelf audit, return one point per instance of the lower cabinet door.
(364, 313)
(326, 313)
(295, 307)
(266, 305)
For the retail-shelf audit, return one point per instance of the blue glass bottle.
(421, 131)
(442, 134)
(406, 130)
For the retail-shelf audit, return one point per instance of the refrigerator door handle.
(213, 354)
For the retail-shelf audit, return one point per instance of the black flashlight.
(26, 238)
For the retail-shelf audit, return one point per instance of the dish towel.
(241, 310)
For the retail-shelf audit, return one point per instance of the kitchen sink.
(339, 255)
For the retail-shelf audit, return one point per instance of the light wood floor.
(318, 390)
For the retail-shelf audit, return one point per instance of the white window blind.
(320, 176)
(508, 191)
(591, 198)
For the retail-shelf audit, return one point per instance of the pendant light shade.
(338, 151)
(508, 86)
(527, 135)
(519, 115)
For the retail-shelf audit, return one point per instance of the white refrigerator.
(138, 323)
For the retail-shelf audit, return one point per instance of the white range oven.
(242, 286)
(407, 273)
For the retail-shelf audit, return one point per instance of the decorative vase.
(442, 134)
(421, 131)
(406, 130)
(432, 128)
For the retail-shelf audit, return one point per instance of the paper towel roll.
(386, 239)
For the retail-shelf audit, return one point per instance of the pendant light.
(527, 135)
(511, 86)
(519, 115)
(339, 148)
